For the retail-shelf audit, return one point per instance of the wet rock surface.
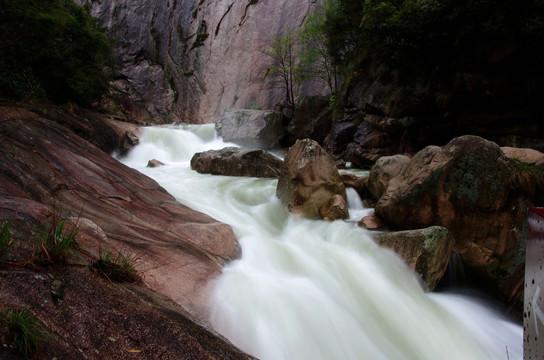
(308, 179)
(232, 161)
(426, 251)
(466, 187)
(48, 172)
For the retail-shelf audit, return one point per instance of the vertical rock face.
(188, 60)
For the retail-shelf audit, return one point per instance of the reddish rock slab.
(48, 171)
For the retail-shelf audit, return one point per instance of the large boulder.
(251, 128)
(233, 161)
(312, 119)
(308, 179)
(466, 187)
(369, 144)
(426, 251)
(386, 168)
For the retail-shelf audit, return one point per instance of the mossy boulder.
(465, 186)
(426, 251)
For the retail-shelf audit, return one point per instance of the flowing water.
(309, 289)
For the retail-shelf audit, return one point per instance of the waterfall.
(309, 289)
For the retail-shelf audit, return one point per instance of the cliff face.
(188, 60)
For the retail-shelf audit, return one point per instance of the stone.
(47, 170)
(335, 209)
(232, 161)
(464, 186)
(529, 156)
(386, 168)
(251, 128)
(426, 251)
(308, 179)
(356, 182)
(372, 222)
(340, 136)
(312, 119)
(154, 163)
(368, 145)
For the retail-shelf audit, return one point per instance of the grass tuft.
(115, 267)
(24, 330)
(57, 245)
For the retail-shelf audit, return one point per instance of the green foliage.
(284, 57)
(115, 267)
(6, 241)
(254, 106)
(450, 47)
(52, 49)
(315, 59)
(24, 330)
(57, 245)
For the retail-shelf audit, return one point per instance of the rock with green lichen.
(426, 251)
(465, 186)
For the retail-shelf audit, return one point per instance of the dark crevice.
(222, 17)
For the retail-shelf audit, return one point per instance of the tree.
(316, 60)
(284, 56)
(52, 49)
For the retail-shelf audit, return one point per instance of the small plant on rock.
(6, 241)
(25, 332)
(115, 267)
(57, 245)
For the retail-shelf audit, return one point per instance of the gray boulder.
(261, 129)
(232, 161)
(426, 251)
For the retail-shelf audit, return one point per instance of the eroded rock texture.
(48, 171)
(189, 60)
(465, 186)
(308, 179)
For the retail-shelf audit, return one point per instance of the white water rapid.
(308, 289)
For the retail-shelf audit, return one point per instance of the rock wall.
(188, 60)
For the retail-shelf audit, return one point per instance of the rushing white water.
(308, 289)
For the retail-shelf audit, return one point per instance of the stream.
(310, 289)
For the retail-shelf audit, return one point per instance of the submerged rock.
(426, 251)
(233, 161)
(308, 179)
(154, 163)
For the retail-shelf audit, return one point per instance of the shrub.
(25, 332)
(115, 267)
(52, 50)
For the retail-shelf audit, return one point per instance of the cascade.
(309, 289)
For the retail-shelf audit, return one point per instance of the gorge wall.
(188, 60)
